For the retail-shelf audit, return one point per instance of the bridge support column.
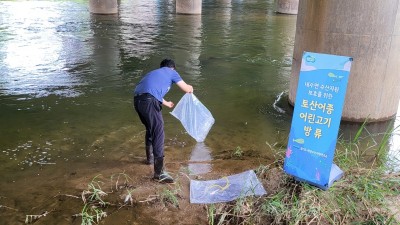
(188, 6)
(287, 6)
(103, 6)
(368, 31)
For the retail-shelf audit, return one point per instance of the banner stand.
(316, 119)
(335, 175)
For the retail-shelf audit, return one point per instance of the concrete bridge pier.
(103, 6)
(188, 6)
(368, 31)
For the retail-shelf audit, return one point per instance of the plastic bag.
(194, 116)
(226, 189)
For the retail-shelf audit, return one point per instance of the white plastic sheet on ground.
(226, 189)
(194, 116)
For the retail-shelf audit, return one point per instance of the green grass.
(94, 203)
(211, 214)
(237, 153)
(94, 192)
(170, 196)
(92, 211)
(92, 215)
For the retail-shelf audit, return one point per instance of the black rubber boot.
(159, 174)
(149, 155)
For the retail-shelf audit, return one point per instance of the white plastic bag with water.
(194, 116)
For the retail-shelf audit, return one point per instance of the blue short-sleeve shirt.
(158, 82)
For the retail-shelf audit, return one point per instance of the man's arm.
(184, 86)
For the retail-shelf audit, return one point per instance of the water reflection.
(141, 27)
(34, 50)
(200, 159)
(190, 49)
(105, 44)
(394, 152)
(226, 15)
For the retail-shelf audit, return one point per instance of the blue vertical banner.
(316, 118)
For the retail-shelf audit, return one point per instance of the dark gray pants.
(149, 110)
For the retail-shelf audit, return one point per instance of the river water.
(66, 80)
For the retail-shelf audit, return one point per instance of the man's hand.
(169, 104)
(190, 89)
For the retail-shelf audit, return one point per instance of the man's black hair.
(167, 63)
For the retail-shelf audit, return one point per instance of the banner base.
(335, 174)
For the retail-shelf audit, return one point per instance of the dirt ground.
(150, 209)
(394, 206)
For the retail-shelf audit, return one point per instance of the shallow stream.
(66, 78)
